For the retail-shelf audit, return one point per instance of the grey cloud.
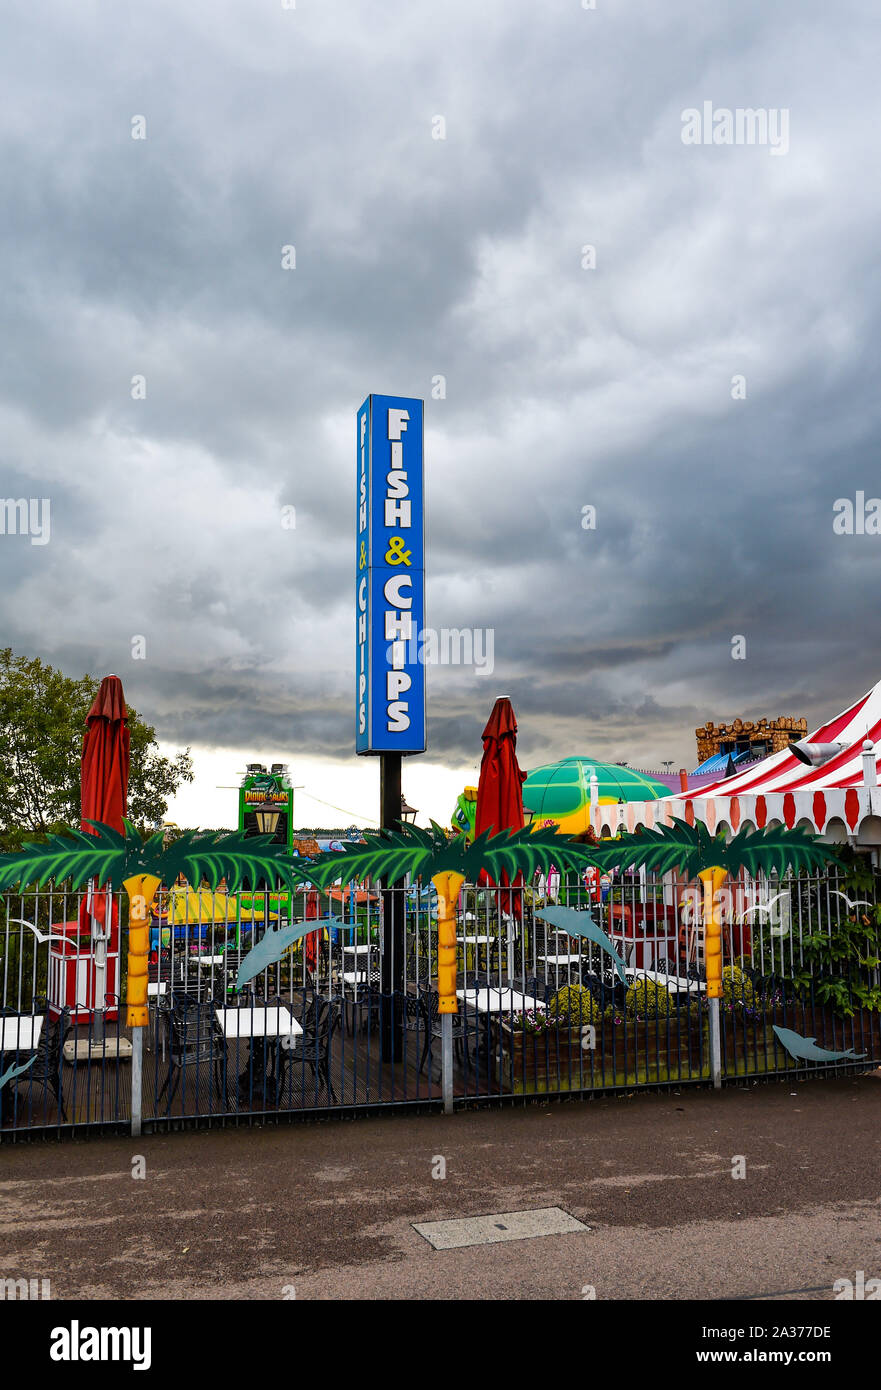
(458, 257)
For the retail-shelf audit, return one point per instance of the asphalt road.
(326, 1210)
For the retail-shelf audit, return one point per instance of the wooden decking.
(100, 1092)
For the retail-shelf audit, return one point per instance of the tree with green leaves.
(42, 721)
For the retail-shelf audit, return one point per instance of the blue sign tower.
(390, 577)
(389, 618)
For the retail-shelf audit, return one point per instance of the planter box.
(644, 1053)
(749, 1047)
(629, 1054)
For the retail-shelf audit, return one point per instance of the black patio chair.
(179, 1001)
(320, 1021)
(535, 987)
(49, 1054)
(368, 1003)
(225, 974)
(170, 968)
(412, 1014)
(194, 1036)
(363, 1000)
(605, 990)
(466, 1026)
(481, 979)
(167, 973)
(419, 948)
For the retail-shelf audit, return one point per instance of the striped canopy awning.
(836, 798)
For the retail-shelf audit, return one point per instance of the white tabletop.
(273, 1022)
(156, 988)
(498, 1001)
(20, 1033)
(676, 984)
(562, 960)
(357, 950)
(475, 940)
(210, 960)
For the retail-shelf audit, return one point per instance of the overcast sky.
(462, 258)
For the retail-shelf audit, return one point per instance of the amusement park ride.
(266, 803)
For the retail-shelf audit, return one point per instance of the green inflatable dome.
(561, 791)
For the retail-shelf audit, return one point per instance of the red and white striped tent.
(840, 799)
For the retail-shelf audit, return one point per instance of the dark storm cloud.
(416, 258)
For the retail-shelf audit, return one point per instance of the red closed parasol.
(105, 763)
(311, 941)
(500, 788)
(104, 798)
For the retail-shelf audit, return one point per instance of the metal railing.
(334, 1023)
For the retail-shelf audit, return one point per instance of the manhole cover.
(502, 1225)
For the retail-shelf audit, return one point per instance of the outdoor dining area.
(570, 980)
(309, 1038)
(313, 1030)
(334, 1023)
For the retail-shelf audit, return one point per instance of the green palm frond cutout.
(109, 857)
(688, 848)
(234, 857)
(691, 849)
(777, 848)
(390, 854)
(76, 856)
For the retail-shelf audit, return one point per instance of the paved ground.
(327, 1209)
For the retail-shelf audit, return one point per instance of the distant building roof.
(719, 762)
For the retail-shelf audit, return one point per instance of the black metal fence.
(348, 1016)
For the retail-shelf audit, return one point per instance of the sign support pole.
(392, 979)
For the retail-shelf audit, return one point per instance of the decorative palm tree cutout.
(139, 866)
(697, 854)
(391, 854)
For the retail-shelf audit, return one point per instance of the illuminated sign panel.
(389, 577)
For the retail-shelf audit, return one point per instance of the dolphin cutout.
(582, 924)
(272, 946)
(806, 1050)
